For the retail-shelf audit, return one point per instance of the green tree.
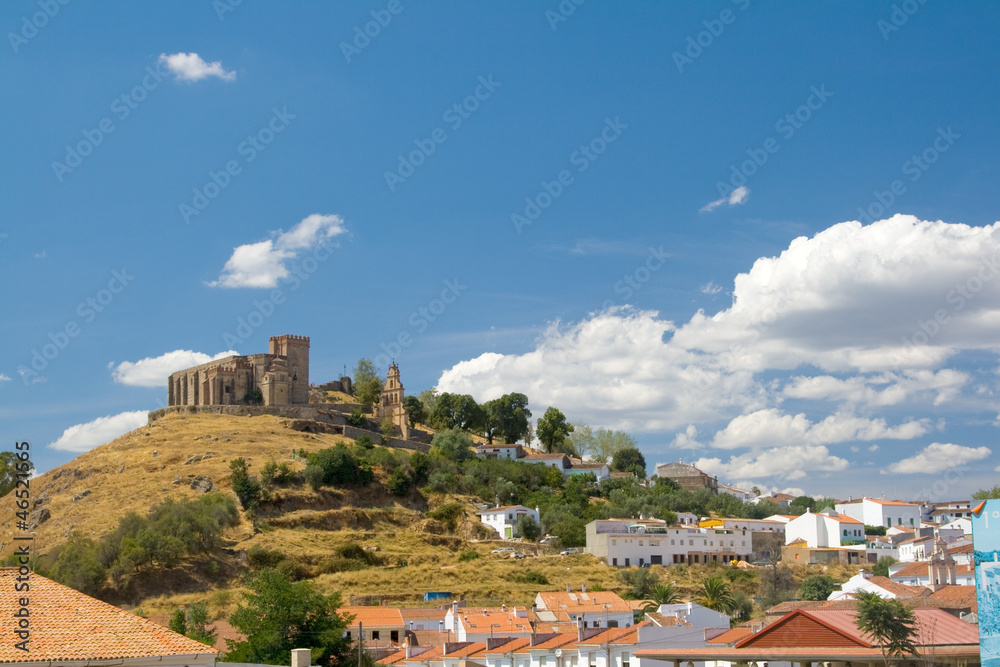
(529, 528)
(801, 504)
(629, 459)
(9, 463)
(457, 411)
(552, 429)
(453, 444)
(398, 483)
(414, 410)
(387, 429)
(981, 494)
(888, 623)
(197, 624)
(369, 391)
(279, 615)
(608, 442)
(178, 622)
(247, 490)
(364, 372)
(817, 587)
(77, 565)
(874, 530)
(881, 568)
(715, 593)
(506, 418)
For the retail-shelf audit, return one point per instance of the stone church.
(281, 376)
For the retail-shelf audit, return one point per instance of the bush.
(339, 466)
(77, 566)
(442, 482)
(247, 490)
(453, 444)
(260, 557)
(338, 564)
(399, 483)
(448, 514)
(356, 417)
(359, 554)
(529, 577)
(364, 442)
(467, 555)
(313, 475)
(275, 474)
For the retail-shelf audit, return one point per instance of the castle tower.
(295, 349)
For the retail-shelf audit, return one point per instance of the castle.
(281, 376)
(277, 379)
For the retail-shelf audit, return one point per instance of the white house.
(628, 542)
(947, 511)
(578, 467)
(741, 494)
(915, 548)
(596, 609)
(687, 518)
(886, 513)
(880, 586)
(826, 530)
(504, 519)
(509, 451)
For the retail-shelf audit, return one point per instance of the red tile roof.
(68, 625)
(731, 636)
(374, 617)
(954, 597)
(594, 601)
(896, 588)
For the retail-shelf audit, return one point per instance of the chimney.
(441, 626)
(300, 657)
(583, 588)
(406, 647)
(568, 589)
(579, 628)
(503, 608)
(454, 607)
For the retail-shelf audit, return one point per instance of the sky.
(760, 238)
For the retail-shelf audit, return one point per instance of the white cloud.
(264, 263)
(191, 67)
(688, 439)
(881, 389)
(938, 456)
(784, 463)
(41, 255)
(153, 371)
(84, 437)
(4, 378)
(735, 198)
(711, 288)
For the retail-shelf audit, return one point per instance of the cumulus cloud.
(858, 324)
(783, 463)
(735, 198)
(153, 371)
(4, 378)
(84, 437)
(711, 288)
(264, 263)
(191, 67)
(938, 456)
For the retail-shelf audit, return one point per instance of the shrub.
(399, 483)
(313, 475)
(77, 566)
(529, 577)
(247, 490)
(467, 555)
(338, 564)
(339, 466)
(261, 557)
(364, 442)
(356, 417)
(442, 482)
(277, 474)
(448, 514)
(387, 429)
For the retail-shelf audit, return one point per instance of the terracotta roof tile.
(374, 617)
(731, 636)
(68, 625)
(593, 601)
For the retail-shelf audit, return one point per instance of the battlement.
(304, 339)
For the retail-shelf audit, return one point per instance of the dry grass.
(306, 527)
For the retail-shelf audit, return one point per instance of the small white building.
(740, 494)
(883, 587)
(504, 519)
(631, 542)
(509, 451)
(597, 609)
(827, 529)
(886, 513)
(915, 549)
(696, 615)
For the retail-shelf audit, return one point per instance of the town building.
(597, 609)
(382, 626)
(946, 511)
(505, 519)
(888, 513)
(738, 493)
(627, 542)
(687, 476)
(510, 451)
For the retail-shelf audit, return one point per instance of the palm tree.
(660, 594)
(716, 594)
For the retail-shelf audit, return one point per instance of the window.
(348, 635)
(641, 562)
(626, 562)
(394, 635)
(375, 635)
(612, 624)
(625, 659)
(614, 561)
(671, 543)
(541, 661)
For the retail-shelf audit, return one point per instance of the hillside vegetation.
(367, 521)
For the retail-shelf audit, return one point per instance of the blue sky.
(640, 213)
